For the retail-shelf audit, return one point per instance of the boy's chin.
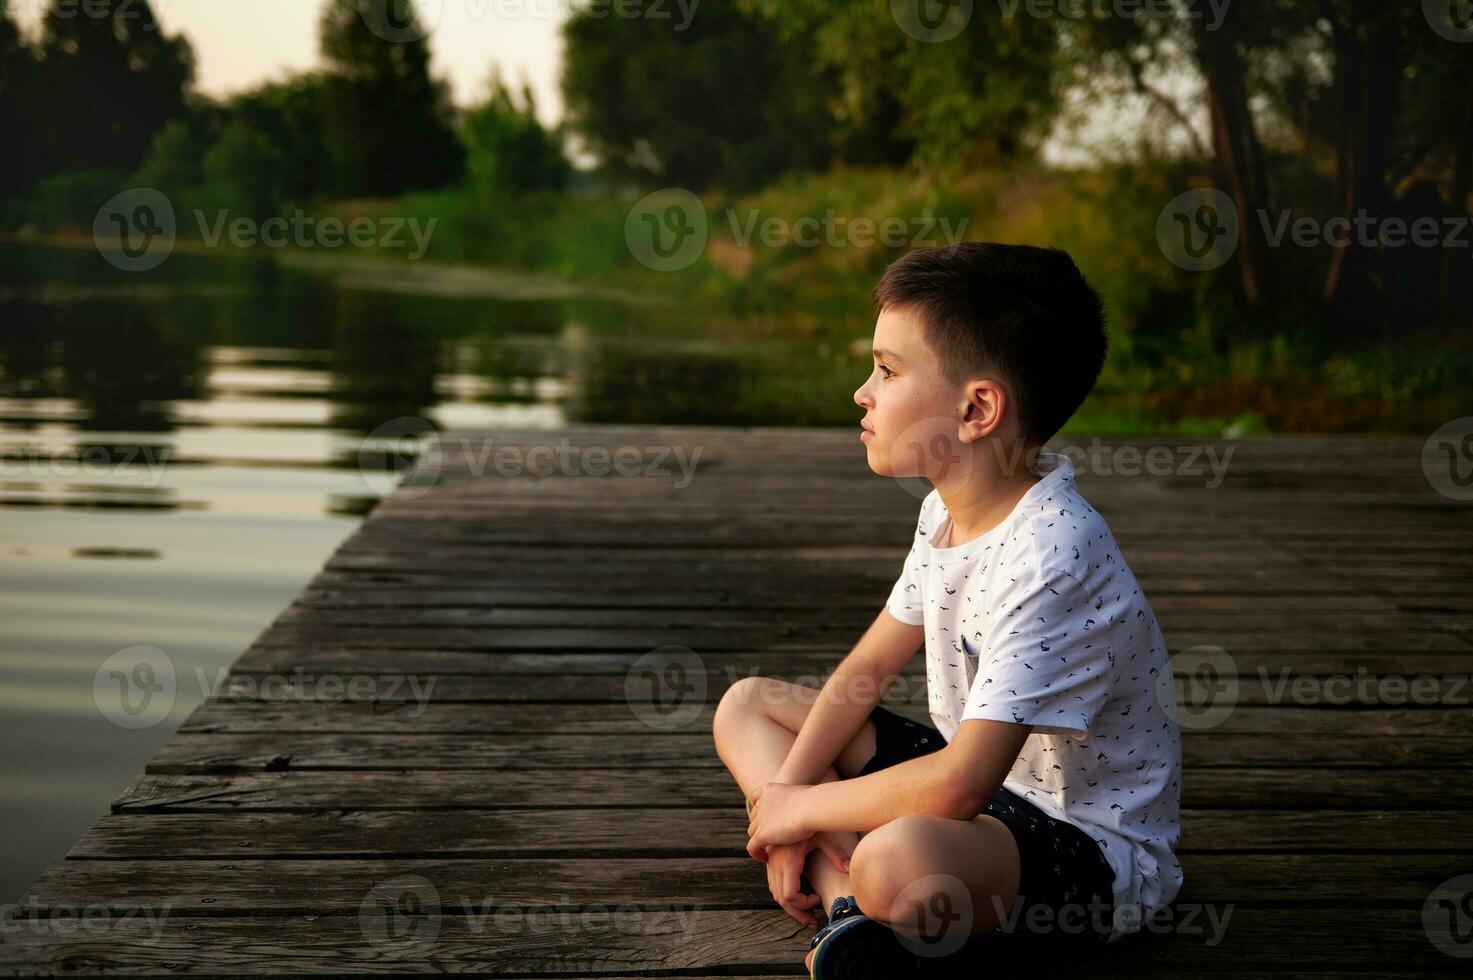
(881, 464)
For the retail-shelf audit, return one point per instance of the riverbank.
(790, 268)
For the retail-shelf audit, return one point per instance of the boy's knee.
(884, 864)
(878, 861)
(737, 703)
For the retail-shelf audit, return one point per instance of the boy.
(1046, 799)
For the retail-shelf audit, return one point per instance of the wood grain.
(450, 713)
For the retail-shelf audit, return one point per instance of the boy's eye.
(888, 373)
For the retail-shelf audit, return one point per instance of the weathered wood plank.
(1273, 942)
(1228, 622)
(1157, 583)
(1401, 788)
(1399, 496)
(632, 718)
(673, 833)
(820, 523)
(372, 595)
(792, 638)
(204, 753)
(288, 886)
(445, 677)
(835, 559)
(1262, 670)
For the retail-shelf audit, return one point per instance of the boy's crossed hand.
(785, 864)
(779, 839)
(775, 816)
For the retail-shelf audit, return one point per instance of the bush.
(70, 200)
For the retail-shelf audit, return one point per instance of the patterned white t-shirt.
(1040, 621)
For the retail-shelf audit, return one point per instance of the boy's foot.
(855, 947)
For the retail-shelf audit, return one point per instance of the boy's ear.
(987, 402)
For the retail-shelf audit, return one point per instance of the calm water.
(181, 453)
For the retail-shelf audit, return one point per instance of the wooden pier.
(479, 740)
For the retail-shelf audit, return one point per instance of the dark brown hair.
(1022, 313)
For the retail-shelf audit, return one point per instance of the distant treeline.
(1326, 109)
(107, 99)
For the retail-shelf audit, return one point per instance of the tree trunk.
(1463, 169)
(1458, 201)
(1238, 156)
(1366, 84)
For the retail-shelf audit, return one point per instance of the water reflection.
(177, 458)
(382, 370)
(179, 453)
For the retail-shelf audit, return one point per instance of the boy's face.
(912, 412)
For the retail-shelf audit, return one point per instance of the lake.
(183, 448)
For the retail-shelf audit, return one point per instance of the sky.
(240, 43)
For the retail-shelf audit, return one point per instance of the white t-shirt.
(1040, 621)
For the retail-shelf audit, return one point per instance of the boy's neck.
(982, 502)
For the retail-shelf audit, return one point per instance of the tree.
(506, 146)
(292, 115)
(262, 150)
(245, 172)
(983, 95)
(1403, 98)
(174, 164)
(388, 122)
(1360, 90)
(716, 101)
(21, 163)
(112, 79)
(1130, 52)
(1237, 152)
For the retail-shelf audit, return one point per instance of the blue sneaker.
(852, 946)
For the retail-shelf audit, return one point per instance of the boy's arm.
(849, 695)
(957, 781)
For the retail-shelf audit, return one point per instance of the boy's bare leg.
(754, 759)
(753, 738)
(904, 863)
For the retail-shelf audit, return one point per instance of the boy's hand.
(785, 863)
(775, 818)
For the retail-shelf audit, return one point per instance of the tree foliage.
(1359, 90)
(1365, 92)
(103, 81)
(507, 149)
(717, 101)
(389, 122)
(983, 95)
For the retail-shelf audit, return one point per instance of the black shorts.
(1062, 867)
